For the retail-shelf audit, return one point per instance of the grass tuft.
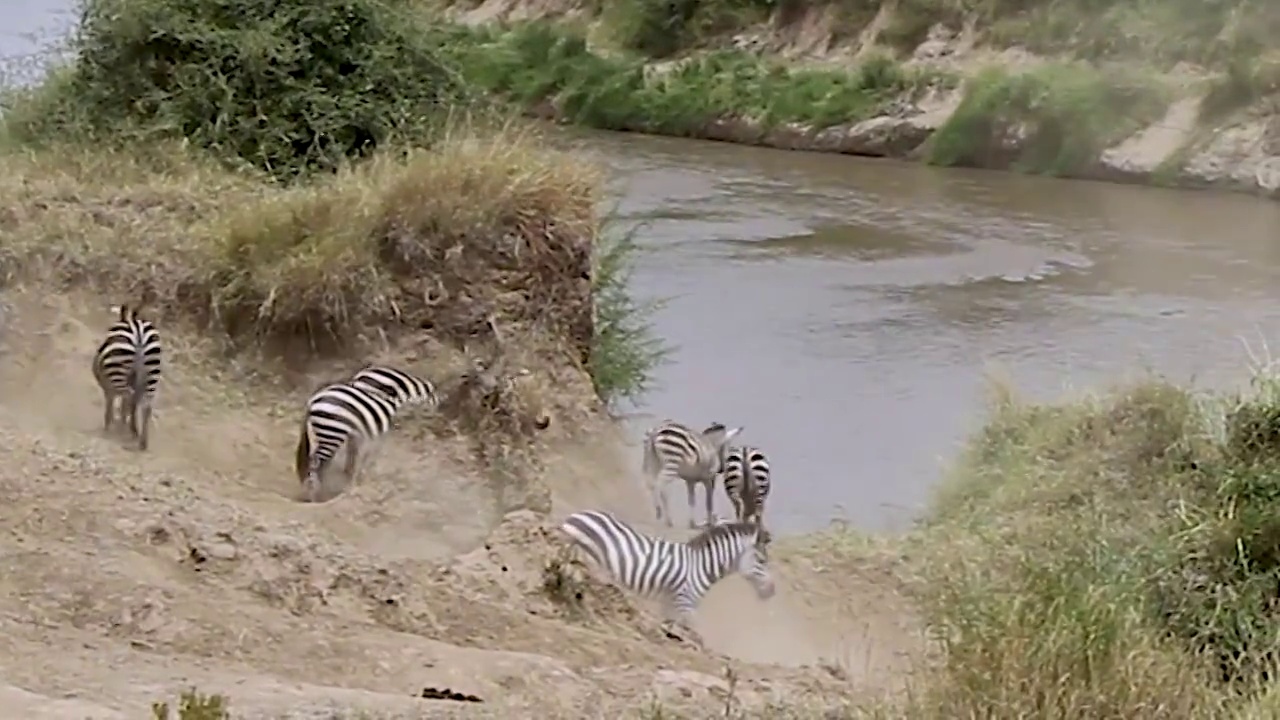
(193, 705)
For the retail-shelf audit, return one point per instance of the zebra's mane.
(706, 537)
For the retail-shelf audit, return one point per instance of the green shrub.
(537, 62)
(1116, 557)
(1053, 119)
(286, 86)
(624, 350)
(661, 28)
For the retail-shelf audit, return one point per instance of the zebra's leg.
(710, 487)
(311, 485)
(679, 622)
(129, 411)
(109, 404)
(691, 486)
(143, 424)
(352, 465)
(659, 499)
(661, 505)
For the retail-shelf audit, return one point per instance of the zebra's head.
(753, 563)
(745, 546)
(718, 436)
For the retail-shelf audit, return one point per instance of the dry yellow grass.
(476, 234)
(475, 227)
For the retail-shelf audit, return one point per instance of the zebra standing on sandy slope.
(678, 572)
(672, 451)
(355, 413)
(746, 482)
(127, 366)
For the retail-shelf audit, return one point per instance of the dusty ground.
(127, 577)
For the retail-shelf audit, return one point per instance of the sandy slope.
(125, 577)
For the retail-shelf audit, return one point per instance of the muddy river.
(845, 310)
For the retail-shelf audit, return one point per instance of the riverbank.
(925, 88)
(1085, 559)
(420, 228)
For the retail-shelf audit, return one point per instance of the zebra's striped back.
(128, 360)
(746, 482)
(680, 572)
(127, 366)
(334, 414)
(405, 388)
(678, 450)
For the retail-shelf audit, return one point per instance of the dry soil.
(127, 577)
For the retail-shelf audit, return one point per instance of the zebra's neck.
(717, 558)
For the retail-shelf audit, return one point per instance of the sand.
(130, 576)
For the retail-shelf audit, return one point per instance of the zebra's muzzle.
(765, 588)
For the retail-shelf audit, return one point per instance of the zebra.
(397, 384)
(127, 366)
(353, 412)
(746, 482)
(680, 573)
(672, 450)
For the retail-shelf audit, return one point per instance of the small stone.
(221, 551)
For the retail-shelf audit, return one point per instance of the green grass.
(1157, 33)
(301, 176)
(661, 28)
(538, 62)
(1065, 115)
(1112, 557)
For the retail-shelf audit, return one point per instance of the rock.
(878, 137)
(1236, 157)
(221, 551)
(1139, 156)
(940, 42)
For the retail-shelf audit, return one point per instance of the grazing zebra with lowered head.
(127, 366)
(353, 413)
(678, 572)
(746, 482)
(672, 451)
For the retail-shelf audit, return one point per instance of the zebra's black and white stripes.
(354, 413)
(746, 482)
(396, 384)
(127, 367)
(678, 572)
(673, 450)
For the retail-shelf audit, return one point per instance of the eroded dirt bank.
(130, 577)
(1203, 128)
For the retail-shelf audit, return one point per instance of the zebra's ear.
(732, 434)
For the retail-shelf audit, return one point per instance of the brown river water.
(845, 310)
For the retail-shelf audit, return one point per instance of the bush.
(536, 62)
(1110, 558)
(193, 705)
(660, 28)
(624, 351)
(287, 87)
(1053, 119)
